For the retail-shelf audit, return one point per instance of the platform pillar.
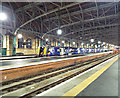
(69, 44)
(58, 43)
(14, 45)
(41, 42)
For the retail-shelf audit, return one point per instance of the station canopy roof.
(79, 21)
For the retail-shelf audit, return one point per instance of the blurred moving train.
(57, 51)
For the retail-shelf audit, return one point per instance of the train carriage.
(57, 51)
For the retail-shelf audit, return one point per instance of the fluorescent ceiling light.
(99, 42)
(63, 41)
(92, 40)
(47, 39)
(73, 43)
(19, 35)
(3, 16)
(59, 31)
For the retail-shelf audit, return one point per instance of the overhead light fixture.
(3, 16)
(47, 39)
(80, 37)
(99, 42)
(95, 46)
(19, 36)
(91, 19)
(59, 31)
(103, 43)
(63, 41)
(73, 43)
(92, 40)
(82, 43)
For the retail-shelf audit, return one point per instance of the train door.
(67, 51)
(83, 49)
(87, 50)
(90, 50)
(95, 50)
(78, 49)
(40, 51)
(70, 51)
(46, 49)
(58, 51)
(52, 51)
(62, 51)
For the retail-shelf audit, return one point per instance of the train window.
(29, 43)
(64, 50)
(58, 50)
(20, 43)
(62, 44)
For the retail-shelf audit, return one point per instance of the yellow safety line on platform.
(80, 87)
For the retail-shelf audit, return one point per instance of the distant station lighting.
(63, 41)
(103, 43)
(3, 16)
(95, 46)
(82, 43)
(99, 42)
(87, 44)
(113, 45)
(73, 43)
(92, 40)
(80, 37)
(19, 36)
(59, 31)
(47, 39)
(91, 44)
(91, 19)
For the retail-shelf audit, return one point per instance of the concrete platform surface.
(105, 85)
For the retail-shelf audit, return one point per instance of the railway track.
(20, 73)
(43, 70)
(30, 86)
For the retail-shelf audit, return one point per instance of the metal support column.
(41, 42)
(14, 45)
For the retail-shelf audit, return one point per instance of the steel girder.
(68, 14)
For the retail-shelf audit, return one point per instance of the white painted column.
(4, 42)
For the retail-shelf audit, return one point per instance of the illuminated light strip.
(80, 87)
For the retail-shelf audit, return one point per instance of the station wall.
(35, 43)
(25, 50)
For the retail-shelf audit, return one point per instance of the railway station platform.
(101, 80)
(17, 63)
(15, 57)
(33, 56)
